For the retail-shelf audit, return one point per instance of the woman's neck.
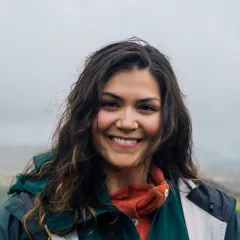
(121, 179)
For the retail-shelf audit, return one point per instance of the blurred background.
(43, 45)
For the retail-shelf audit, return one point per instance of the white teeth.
(123, 141)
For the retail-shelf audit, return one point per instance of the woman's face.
(128, 119)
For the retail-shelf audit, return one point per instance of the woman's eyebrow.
(112, 95)
(139, 100)
(149, 99)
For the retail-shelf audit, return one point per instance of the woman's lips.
(124, 142)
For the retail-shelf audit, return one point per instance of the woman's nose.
(127, 120)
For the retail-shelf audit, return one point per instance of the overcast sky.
(43, 44)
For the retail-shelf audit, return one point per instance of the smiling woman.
(121, 165)
(129, 118)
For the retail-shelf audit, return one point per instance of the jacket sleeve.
(10, 227)
(233, 228)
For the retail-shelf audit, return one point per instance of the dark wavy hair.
(75, 172)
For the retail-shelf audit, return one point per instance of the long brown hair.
(75, 173)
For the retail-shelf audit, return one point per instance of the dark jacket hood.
(26, 184)
(65, 219)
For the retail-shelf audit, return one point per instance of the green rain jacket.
(194, 211)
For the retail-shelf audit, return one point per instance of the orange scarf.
(139, 201)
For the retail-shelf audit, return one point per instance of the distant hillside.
(6, 177)
(16, 157)
(222, 188)
(3, 194)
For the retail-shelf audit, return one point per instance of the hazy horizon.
(15, 158)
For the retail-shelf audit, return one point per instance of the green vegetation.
(3, 194)
(238, 207)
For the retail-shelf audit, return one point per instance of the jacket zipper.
(151, 227)
(133, 225)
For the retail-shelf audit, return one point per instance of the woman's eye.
(148, 108)
(109, 104)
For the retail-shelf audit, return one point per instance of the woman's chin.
(123, 164)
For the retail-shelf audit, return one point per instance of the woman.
(121, 167)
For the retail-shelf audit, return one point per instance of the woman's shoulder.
(209, 198)
(22, 200)
(7, 223)
(11, 218)
(11, 215)
(223, 207)
(17, 205)
(205, 200)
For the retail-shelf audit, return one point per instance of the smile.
(123, 142)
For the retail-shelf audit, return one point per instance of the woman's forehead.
(136, 82)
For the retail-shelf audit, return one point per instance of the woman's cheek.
(152, 127)
(103, 120)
